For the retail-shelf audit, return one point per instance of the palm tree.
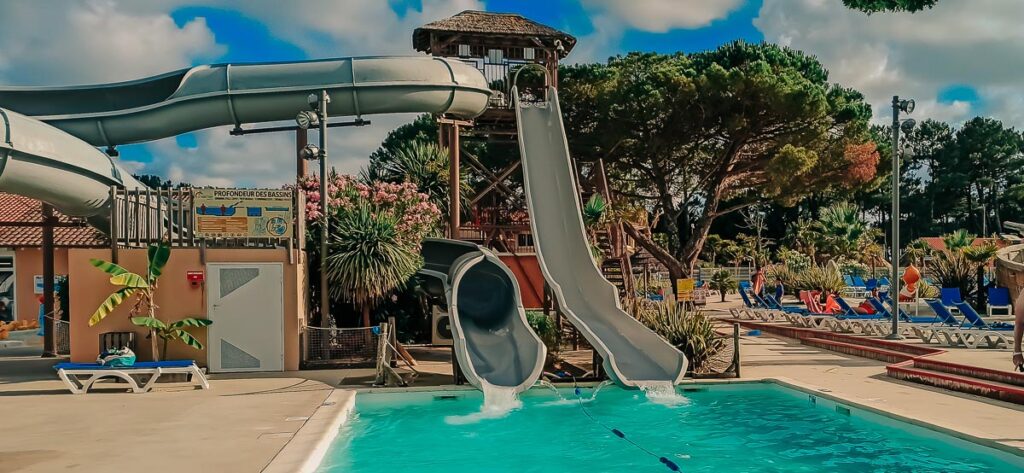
(805, 235)
(713, 246)
(980, 256)
(873, 255)
(958, 240)
(843, 228)
(916, 251)
(422, 163)
(367, 258)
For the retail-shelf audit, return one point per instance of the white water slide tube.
(493, 341)
(46, 132)
(633, 355)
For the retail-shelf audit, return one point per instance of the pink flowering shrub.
(417, 217)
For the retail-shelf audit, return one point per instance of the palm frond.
(129, 280)
(110, 304)
(367, 258)
(107, 267)
(159, 253)
(149, 322)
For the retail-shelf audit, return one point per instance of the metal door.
(246, 305)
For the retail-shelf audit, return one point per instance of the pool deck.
(246, 421)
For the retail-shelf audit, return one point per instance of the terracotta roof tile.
(472, 21)
(18, 209)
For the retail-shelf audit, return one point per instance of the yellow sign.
(684, 290)
(243, 213)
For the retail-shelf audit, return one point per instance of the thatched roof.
(474, 23)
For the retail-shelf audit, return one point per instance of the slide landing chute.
(633, 354)
(493, 341)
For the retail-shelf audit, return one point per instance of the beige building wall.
(28, 262)
(176, 298)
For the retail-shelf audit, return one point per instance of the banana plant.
(174, 331)
(142, 289)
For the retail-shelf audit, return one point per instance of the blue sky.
(953, 77)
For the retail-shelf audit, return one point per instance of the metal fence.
(62, 337)
(341, 346)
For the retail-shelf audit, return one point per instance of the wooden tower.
(499, 44)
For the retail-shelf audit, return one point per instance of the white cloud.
(611, 18)
(917, 55)
(261, 160)
(659, 16)
(59, 43)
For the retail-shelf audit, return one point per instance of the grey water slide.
(633, 354)
(493, 341)
(46, 131)
(49, 133)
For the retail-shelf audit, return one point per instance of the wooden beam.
(454, 182)
(453, 121)
(501, 177)
(301, 140)
(473, 161)
(444, 44)
(49, 347)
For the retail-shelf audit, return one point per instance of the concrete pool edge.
(893, 414)
(308, 446)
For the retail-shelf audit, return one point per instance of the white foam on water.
(563, 402)
(498, 402)
(663, 393)
(547, 384)
(601, 386)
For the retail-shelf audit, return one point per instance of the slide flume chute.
(633, 354)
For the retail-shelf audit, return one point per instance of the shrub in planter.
(723, 282)
(691, 331)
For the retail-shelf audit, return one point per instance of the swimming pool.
(728, 428)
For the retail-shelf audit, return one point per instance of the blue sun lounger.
(975, 331)
(999, 300)
(756, 309)
(140, 377)
(943, 331)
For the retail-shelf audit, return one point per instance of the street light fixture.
(310, 152)
(906, 126)
(306, 119)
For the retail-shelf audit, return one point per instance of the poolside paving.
(238, 425)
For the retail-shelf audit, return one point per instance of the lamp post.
(894, 286)
(325, 298)
(305, 119)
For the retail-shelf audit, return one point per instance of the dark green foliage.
(594, 210)
(874, 6)
(156, 182)
(696, 137)
(367, 259)
(421, 162)
(544, 327)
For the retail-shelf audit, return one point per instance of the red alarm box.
(195, 278)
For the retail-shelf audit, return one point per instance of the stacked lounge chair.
(976, 331)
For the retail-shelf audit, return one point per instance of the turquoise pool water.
(753, 428)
